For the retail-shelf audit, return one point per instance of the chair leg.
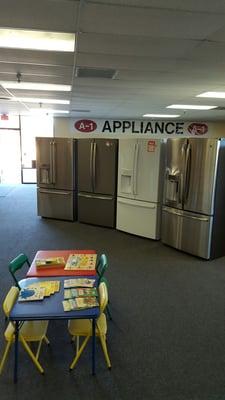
(7, 348)
(38, 350)
(76, 358)
(31, 354)
(46, 340)
(105, 351)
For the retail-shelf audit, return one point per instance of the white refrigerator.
(140, 180)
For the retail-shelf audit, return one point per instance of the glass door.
(10, 162)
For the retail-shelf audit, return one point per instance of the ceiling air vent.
(82, 111)
(83, 72)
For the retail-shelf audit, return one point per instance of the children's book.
(79, 282)
(81, 262)
(31, 294)
(80, 292)
(51, 261)
(79, 303)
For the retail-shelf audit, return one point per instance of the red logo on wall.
(85, 125)
(197, 129)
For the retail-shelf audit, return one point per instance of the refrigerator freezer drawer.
(187, 231)
(96, 210)
(138, 217)
(57, 204)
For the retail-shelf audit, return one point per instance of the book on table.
(79, 282)
(31, 294)
(80, 292)
(50, 261)
(80, 303)
(81, 262)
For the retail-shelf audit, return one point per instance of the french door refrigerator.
(56, 177)
(193, 216)
(140, 179)
(97, 180)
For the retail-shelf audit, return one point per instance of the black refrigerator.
(56, 178)
(97, 180)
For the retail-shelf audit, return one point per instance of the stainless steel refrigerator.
(56, 177)
(97, 178)
(193, 215)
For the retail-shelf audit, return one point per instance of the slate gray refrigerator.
(56, 177)
(97, 181)
(193, 215)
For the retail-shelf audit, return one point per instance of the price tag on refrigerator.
(151, 146)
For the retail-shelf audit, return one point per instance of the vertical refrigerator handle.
(187, 172)
(94, 164)
(53, 162)
(91, 165)
(136, 148)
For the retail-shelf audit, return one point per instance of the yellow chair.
(29, 331)
(83, 327)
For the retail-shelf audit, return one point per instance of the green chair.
(101, 267)
(18, 263)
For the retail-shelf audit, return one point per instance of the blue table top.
(50, 307)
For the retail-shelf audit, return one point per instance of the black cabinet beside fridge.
(97, 181)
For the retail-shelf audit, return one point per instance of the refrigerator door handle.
(54, 192)
(132, 203)
(91, 165)
(135, 168)
(205, 219)
(50, 158)
(53, 162)
(94, 165)
(187, 172)
(89, 196)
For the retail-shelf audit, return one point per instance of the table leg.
(16, 351)
(93, 346)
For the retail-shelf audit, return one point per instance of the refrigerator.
(97, 181)
(193, 214)
(56, 178)
(139, 196)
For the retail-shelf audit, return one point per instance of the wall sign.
(139, 128)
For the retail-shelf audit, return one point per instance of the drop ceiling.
(152, 53)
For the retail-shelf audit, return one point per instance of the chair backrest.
(10, 300)
(103, 296)
(16, 264)
(102, 265)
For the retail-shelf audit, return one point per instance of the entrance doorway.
(10, 161)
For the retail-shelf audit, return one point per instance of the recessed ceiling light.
(38, 100)
(161, 115)
(37, 40)
(191, 107)
(35, 86)
(48, 111)
(215, 95)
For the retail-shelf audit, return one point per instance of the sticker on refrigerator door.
(85, 125)
(151, 146)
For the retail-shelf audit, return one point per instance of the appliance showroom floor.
(166, 340)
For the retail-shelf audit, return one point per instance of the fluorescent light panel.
(37, 40)
(161, 115)
(35, 86)
(215, 95)
(38, 100)
(190, 107)
(48, 111)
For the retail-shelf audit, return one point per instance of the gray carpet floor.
(167, 337)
